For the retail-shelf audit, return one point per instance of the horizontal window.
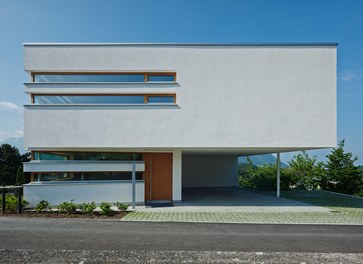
(70, 155)
(160, 99)
(105, 77)
(161, 78)
(86, 176)
(81, 99)
(103, 99)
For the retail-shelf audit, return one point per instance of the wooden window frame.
(146, 96)
(146, 74)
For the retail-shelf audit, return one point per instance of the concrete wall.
(209, 171)
(82, 192)
(241, 96)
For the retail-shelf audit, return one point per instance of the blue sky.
(186, 21)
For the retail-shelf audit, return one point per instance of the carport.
(214, 170)
(233, 199)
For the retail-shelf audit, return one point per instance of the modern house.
(178, 115)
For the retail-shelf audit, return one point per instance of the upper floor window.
(85, 99)
(105, 99)
(104, 77)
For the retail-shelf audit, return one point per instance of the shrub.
(87, 208)
(122, 206)
(11, 203)
(106, 208)
(67, 207)
(42, 206)
(263, 178)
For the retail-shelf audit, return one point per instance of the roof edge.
(188, 44)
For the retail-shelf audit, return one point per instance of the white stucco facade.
(83, 192)
(231, 100)
(227, 97)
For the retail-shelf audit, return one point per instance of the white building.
(185, 112)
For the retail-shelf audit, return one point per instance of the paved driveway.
(230, 199)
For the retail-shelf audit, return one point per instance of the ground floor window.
(86, 176)
(72, 155)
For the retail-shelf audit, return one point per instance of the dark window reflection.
(161, 99)
(70, 155)
(87, 176)
(161, 78)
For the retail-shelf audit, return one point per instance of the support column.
(133, 184)
(177, 176)
(278, 174)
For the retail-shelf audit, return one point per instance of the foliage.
(10, 161)
(306, 173)
(338, 174)
(42, 206)
(67, 207)
(262, 178)
(106, 208)
(11, 203)
(245, 173)
(122, 206)
(87, 208)
(342, 175)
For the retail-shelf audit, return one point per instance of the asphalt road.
(76, 234)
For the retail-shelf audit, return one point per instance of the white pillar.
(133, 185)
(278, 174)
(177, 176)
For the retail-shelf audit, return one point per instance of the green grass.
(345, 210)
(342, 204)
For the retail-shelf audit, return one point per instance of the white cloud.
(10, 106)
(5, 135)
(348, 76)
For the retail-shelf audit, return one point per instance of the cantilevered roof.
(187, 44)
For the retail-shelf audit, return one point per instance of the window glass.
(89, 77)
(79, 99)
(161, 78)
(86, 176)
(48, 156)
(161, 99)
(70, 155)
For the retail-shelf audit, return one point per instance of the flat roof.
(185, 44)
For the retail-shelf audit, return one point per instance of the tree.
(305, 171)
(245, 173)
(262, 178)
(342, 175)
(10, 161)
(20, 177)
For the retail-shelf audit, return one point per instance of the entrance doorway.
(158, 177)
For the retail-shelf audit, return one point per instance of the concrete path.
(229, 199)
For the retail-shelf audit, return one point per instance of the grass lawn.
(344, 210)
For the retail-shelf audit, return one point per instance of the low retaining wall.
(81, 192)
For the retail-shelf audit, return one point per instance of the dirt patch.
(95, 215)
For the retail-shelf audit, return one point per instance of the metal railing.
(18, 191)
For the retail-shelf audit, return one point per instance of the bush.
(87, 208)
(42, 206)
(67, 207)
(106, 208)
(121, 206)
(263, 178)
(11, 204)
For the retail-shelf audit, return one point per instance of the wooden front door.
(158, 176)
